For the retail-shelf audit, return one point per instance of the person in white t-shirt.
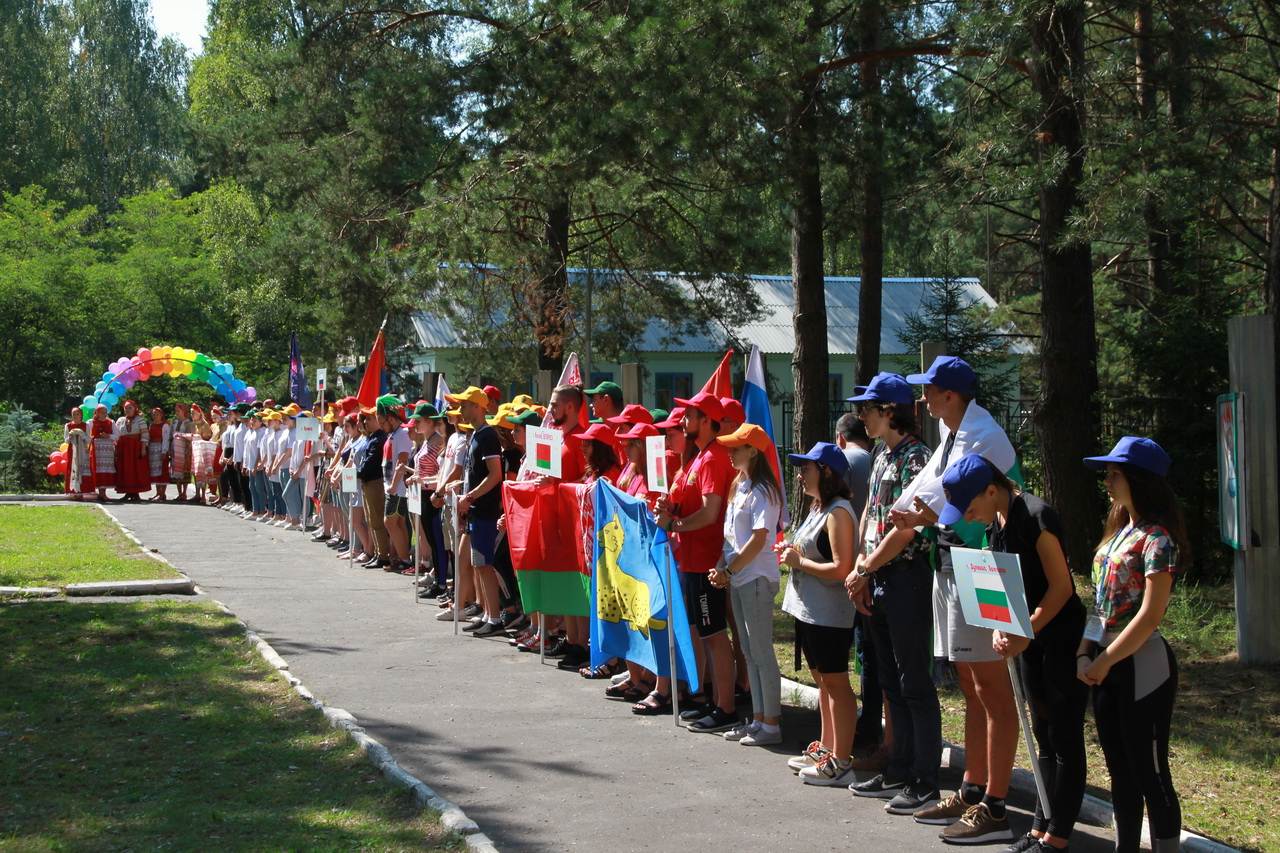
(750, 569)
(395, 470)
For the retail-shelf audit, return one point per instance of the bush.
(25, 445)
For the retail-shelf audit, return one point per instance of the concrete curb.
(453, 817)
(180, 586)
(17, 498)
(29, 592)
(1093, 810)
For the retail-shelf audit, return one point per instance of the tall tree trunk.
(1272, 290)
(809, 364)
(553, 286)
(1067, 415)
(1145, 85)
(871, 222)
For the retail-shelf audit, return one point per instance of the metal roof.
(772, 331)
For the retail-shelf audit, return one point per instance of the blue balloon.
(238, 385)
(116, 388)
(108, 376)
(99, 388)
(91, 400)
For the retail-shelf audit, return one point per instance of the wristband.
(1084, 655)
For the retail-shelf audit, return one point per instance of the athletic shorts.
(707, 606)
(953, 638)
(397, 505)
(825, 648)
(484, 540)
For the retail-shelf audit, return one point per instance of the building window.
(668, 386)
(835, 386)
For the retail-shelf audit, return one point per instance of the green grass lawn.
(1225, 747)
(58, 545)
(157, 726)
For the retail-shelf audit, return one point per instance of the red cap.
(632, 413)
(673, 419)
(348, 406)
(601, 433)
(639, 432)
(732, 410)
(708, 404)
(494, 394)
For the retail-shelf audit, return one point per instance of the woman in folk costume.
(132, 477)
(182, 430)
(159, 435)
(78, 480)
(102, 451)
(219, 422)
(203, 452)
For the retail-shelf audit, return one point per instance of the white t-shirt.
(251, 449)
(400, 442)
(229, 437)
(295, 457)
(751, 509)
(237, 443)
(284, 442)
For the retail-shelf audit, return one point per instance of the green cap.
(427, 412)
(526, 418)
(613, 389)
(659, 415)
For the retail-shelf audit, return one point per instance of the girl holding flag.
(1021, 523)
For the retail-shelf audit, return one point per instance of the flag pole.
(417, 545)
(671, 640)
(1024, 717)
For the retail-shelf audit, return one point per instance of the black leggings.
(1135, 739)
(1058, 699)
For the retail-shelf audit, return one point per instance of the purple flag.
(298, 390)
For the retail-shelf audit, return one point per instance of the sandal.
(627, 692)
(653, 705)
(604, 670)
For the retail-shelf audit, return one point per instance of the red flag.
(548, 530)
(571, 375)
(721, 381)
(371, 382)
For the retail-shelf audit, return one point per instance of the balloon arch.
(123, 373)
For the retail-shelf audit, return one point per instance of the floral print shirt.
(1121, 566)
(891, 472)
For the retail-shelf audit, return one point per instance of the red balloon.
(52, 469)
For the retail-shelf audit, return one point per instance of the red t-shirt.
(573, 467)
(710, 473)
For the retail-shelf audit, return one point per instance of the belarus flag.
(993, 602)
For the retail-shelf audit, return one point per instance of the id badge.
(1094, 628)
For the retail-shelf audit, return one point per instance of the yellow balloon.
(63, 447)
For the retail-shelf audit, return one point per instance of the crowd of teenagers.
(867, 560)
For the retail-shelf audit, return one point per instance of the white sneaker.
(280, 524)
(813, 753)
(761, 737)
(445, 615)
(740, 731)
(829, 773)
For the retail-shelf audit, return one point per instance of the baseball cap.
(732, 410)
(672, 420)
(948, 372)
(348, 405)
(708, 404)
(501, 417)
(963, 481)
(389, 404)
(632, 413)
(493, 393)
(290, 410)
(600, 433)
(472, 394)
(528, 417)
(329, 418)
(639, 432)
(659, 415)
(824, 453)
(523, 400)
(885, 387)
(749, 434)
(1136, 451)
(426, 412)
(612, 389)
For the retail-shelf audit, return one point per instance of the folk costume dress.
(79, 477)
(133, 475)
(158, 439)
(102, 451)
(182, 433)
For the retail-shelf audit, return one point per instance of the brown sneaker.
(944, 813)
(977, 826)
(875, 761)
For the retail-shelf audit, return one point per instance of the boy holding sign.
(1032, 604)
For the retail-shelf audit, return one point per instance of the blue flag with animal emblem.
(632, 606)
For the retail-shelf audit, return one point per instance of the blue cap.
(884, 388)
(964, 480)
(1137, 451)
(948, 372)
(825, 453)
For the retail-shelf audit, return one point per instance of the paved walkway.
(536, 756)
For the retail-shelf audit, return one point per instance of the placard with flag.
(542, 448)
(989, 584)
(655, 449)
(632, 607)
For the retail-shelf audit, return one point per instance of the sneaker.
(741, 730)
(471, 611)
(474, 623)
(488, 629)
(715, 721)
(943, 813)
(1026, 844)
(878, 787)
(912, 799)
(697, 711)
(829, 772)
(445, 616)
(813, 753)
(762, 737)
(978, 826)
(574, 656)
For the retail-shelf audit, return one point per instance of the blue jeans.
(292, 495)
(258, 490)
(901, 625)
(276, 501)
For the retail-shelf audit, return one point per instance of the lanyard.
(1108, 572)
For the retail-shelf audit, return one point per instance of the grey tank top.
(811, 599)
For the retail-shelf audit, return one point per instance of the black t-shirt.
(372, 468)
(484, 445)
(512, 458)
(1029, 516)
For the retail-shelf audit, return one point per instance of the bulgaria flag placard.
(989, 584)
(542, 448)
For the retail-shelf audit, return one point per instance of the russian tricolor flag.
(755, 402)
